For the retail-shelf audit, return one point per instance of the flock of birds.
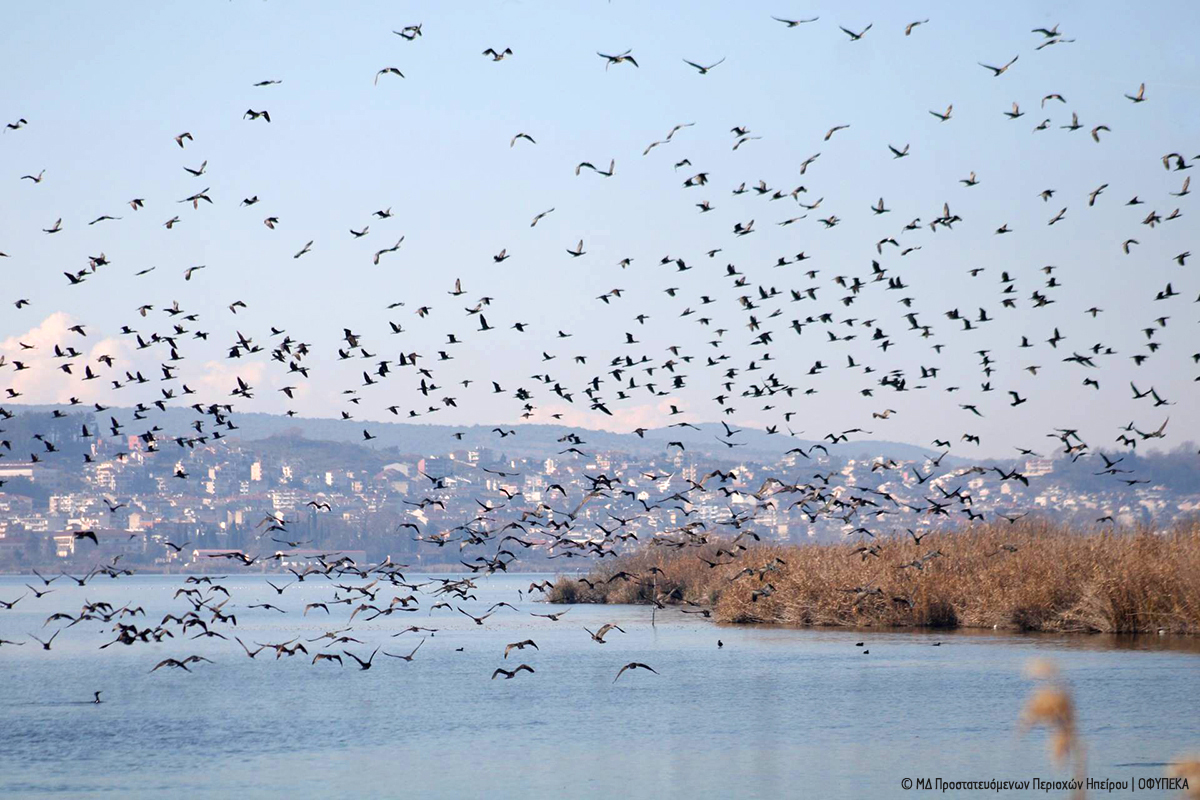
(359, 588)
(755, 376)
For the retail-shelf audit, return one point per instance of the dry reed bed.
(1056, 579)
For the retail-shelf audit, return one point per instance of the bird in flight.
(365, 665)
(392, 249)
(603, 631)
(792, 23)
(998, 71)
(408, 657)
(700, 69)
(620, 58)
(519, 646)
(384, 71)
(510, 674)
(634, 665)
(854, 37)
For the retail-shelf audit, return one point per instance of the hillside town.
(283, 500)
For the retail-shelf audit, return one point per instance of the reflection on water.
(776, 712)
(1042, 641)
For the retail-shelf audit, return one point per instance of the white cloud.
(623, 419)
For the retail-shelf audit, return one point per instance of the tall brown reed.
(1033, 576)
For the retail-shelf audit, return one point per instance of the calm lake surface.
(775, 713)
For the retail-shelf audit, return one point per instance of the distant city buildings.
(276, 503)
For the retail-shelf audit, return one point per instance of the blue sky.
(107, 89)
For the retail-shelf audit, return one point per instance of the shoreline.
(225, 569)
(437, 569)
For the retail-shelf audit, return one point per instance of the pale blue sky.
(106, 88)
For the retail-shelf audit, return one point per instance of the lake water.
(775, 713)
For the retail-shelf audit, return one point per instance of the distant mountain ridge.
(531, 440)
